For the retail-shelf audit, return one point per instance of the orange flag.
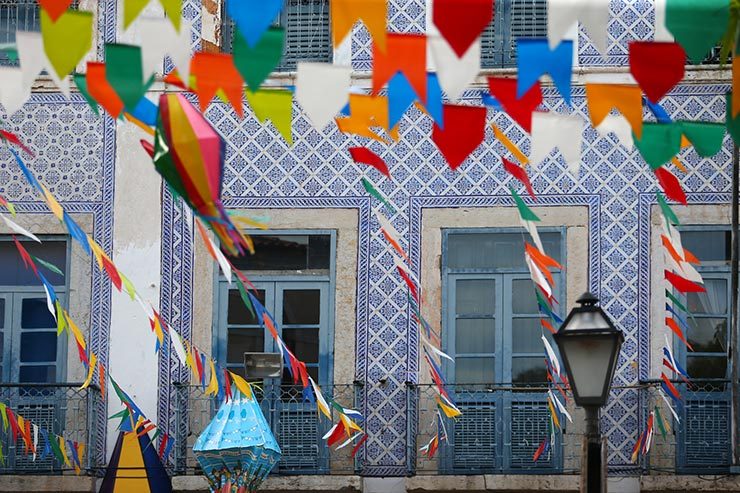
(406, 53)
(214, 72)
(625, 98)
(101, 90)
(373, 13)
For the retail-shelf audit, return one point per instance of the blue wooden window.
(293, 273)
(704, 433)
(307, 33)
(30, 351)
(513, 19)
(492, 330)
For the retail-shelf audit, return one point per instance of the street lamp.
(589, 344)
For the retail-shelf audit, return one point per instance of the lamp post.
(589, 344)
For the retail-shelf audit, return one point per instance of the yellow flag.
(90, 370)
(212, 388)
(242, 385)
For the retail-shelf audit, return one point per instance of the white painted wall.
(137, 214)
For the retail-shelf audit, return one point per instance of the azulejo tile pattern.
(75, 158)
(630, 20)
(263, 171)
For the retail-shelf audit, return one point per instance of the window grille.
(513, 19)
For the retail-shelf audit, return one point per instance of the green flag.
(375, 193)
(659, 143)
(124, 73)
(659, 419)
(705, 137)
(697, 25)
(48, 265)
(81, 82)
(245, 297)
(667, 211)
(256, 64)
(525, 212)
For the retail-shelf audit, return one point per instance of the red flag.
(519, 173)
(673, 390)
(359, 444)
(683, 285)
(540, 257)
(539, 451)
(366, 156)
(464, 128)
(462, 22)
(670, 185)
(677, 330)
(112, 271)
(409, 283)
(336, 435)
(163, 445)
(55, 8)
(27, 260)
(520, 110)
(13, 139)
(227, 385)
(101, 90)
(656, 67)
(546, 324)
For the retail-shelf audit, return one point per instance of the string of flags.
(202, 367)
(39, 442)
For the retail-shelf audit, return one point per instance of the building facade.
(326, 272)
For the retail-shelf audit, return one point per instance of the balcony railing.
(498, 433)
(60, 409)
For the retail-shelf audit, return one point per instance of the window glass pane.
(35, 314)
(304, 343)
(38, 347)
(526, 334)
(37, 374)
(708, 246)
(528, 370)
(475, 296)
(708, 335)
(239, 314)
(14, 273)
(706, 367)
(523, 298)
(474, 335)
(288, 252)
(244, 341)
(292, 391)
(713, 300)
(494, 250)
(301, 306)
(474, 370)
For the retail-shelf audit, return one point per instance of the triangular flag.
(322, 90)
(619, 126)
(13, 92)
(124, 73)
(593, 14)
(131, 10)
(518, 108)
(461, 22)
(455, 74)
(101, 90)
(214, 72)
(256, 63)
(697, 25)
(66, 39)
(405, 53)
(705, 137)
(659, 143)
(550, 130)
(373, 13)
(33, 61)
(275, 105)
(535, 59)
(253, 17)
(602, 98)
(159, 38)
(657, 67)
(463, 132)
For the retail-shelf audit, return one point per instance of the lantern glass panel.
(589, 357)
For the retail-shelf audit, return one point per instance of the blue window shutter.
(298, 436)
(474, 438)
(706, 434)
(529, 427)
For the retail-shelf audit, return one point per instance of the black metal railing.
(60, 410)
